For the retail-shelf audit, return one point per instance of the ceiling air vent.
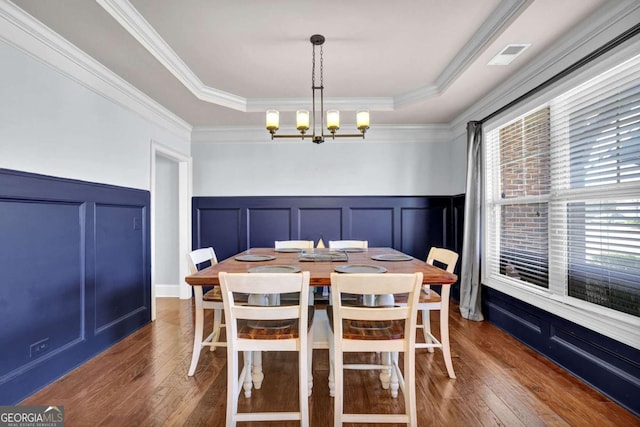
(508, 54)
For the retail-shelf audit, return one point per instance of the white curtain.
(470, 287)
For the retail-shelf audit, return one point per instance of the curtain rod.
(630, 33)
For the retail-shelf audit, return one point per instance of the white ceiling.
(223, 63)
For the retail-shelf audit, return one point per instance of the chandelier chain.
(321, 68)
(313, 68)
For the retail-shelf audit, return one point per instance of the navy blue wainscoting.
(607, 365)
(411, 224)
(457, 228)
(75, 275)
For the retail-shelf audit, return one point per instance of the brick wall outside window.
(525, 172)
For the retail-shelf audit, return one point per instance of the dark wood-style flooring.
(142, 381)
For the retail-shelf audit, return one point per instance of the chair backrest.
(342, 244)
(294, 244)
(264, 283)
(199, 256)
(376, 284)
(444, 256)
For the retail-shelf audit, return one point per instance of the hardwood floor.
(142, 381)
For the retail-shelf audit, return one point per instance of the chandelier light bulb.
(273, 120)
(362, 119)
(302, 120)
(333, 120)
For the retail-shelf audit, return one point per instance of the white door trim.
(184, 216)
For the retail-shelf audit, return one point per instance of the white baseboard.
(167, 291)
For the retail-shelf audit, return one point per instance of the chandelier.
(302, 116)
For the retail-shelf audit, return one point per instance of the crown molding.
(433, 133)
(504, 14)
(609, 21)
(22, 31)
(490, 29)
(260, 105)
(132, 21)
(417, 95)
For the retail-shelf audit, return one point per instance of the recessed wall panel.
(268, 225)
(374, 225)
(317, 223)
(41, 265)
(423, 228)
(220, 230)
(120, 285)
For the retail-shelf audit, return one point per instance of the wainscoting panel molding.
(75, 268)
(411, 224)
(607, 365)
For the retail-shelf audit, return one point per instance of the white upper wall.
(63, 114)
(384, 165)
(53, 126)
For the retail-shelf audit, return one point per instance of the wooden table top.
(321, 271)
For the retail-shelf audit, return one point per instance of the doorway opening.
(170, 223)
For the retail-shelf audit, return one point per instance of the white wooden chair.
(212, 300)
(266, 328)
(289, 244)
(345, 244)
(294, 244)
(388, 330)
(430, 300)
(361, 244)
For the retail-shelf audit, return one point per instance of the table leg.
(256, 370)
(247, 373)
(385, 373)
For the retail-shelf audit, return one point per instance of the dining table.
(321, 263)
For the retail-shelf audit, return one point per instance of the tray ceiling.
(223, 63)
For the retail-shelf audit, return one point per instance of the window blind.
(563, 193)
(596, 185)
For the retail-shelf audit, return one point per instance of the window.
(524, 150)
(562, 196)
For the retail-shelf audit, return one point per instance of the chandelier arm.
(344, 135)
(290, 136)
